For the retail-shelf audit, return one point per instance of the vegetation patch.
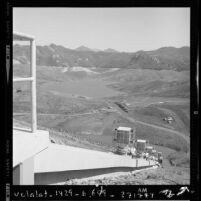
(179, 159)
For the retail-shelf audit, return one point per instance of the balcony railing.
(32, 78)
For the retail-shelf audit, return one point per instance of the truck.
(124, 140)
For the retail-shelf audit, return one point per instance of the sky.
(123, 29)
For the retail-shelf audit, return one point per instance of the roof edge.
(22, 36)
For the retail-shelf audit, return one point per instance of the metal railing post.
(33, 86)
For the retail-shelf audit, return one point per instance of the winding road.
(125, 115)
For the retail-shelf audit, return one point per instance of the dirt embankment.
(177, 174)
(159, 176)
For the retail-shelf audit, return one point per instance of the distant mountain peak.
(96, 50)
(53, 45)
(165, 58)
(110, 50)
(83, 48)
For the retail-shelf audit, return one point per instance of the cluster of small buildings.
(127, 143)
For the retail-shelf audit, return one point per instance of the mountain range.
(165, 58)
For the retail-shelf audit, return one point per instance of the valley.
(81, 105)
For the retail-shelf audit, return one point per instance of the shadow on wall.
(63, 176)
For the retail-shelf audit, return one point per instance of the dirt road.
(125, 115)
(54, 114)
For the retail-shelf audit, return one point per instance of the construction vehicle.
(160, 159)
(123, 106)
(149, 149)
(124, 140)
(159, 154)
(168, 119)
(141, 146)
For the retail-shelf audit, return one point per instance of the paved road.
(75, 162)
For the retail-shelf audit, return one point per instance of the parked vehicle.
(124, 140)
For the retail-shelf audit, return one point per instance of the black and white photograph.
(101, 96)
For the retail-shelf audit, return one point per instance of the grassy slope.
(53, 103)
(164, 83)
(135, 81)
(155, 113)
(166, 175)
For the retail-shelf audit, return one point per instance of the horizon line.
(104, 50)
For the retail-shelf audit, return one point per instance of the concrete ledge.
(62, 176)
(27, 144)
(65, 158)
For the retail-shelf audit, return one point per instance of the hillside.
(84, 94)
(81, 101)
(168, 58)
(175, 170)
(151, 82)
